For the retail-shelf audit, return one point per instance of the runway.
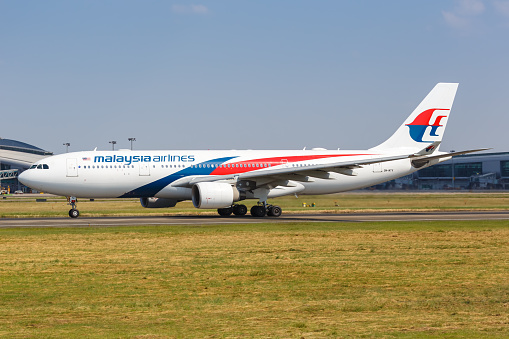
(217, 220)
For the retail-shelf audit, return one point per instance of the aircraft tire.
(258, 211)
(74, 213)
(239, 209)
(225, 212)
(275, 211)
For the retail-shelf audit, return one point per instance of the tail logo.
(420, 124)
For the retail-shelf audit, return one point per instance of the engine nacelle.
(214, 195)
(157, 202)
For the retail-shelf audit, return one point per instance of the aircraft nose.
(25, 178)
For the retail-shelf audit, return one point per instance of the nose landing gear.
(73, 212)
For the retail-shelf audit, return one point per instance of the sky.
(248, 74)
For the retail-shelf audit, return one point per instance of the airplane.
(221, 179)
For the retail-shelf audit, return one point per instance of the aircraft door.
(144, 169)
(72, 168)
(377, 167)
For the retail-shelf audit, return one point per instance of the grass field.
(17, 206)
(391, 279)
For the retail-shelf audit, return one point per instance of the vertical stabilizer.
(426, 124)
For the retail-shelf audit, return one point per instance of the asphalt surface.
(217, 220)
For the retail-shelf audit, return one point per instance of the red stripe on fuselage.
(250, 165)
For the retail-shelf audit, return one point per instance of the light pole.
(452, 161)
(131, 140)
(67, 144)
(113, 142)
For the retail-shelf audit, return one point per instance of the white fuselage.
(124, 173)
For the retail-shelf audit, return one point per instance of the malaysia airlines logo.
(430, 148)
(421, 123)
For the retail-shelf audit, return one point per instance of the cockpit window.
(39, 166)
(33, 166)
(45, 166)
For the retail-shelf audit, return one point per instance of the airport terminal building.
(484, 171)
(15, 157)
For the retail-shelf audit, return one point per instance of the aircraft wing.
(298, 173)
(307, 173)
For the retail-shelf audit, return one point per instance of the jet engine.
(214, 195)
(157, 202)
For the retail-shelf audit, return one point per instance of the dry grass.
(278, 280)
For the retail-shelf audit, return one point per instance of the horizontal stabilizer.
(429, 149)
(420, 161)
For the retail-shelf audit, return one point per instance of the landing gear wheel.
(239, 209)
(74, 213)
(258, 211)
(274, 211)
(225, 212)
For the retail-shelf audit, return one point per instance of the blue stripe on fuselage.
(151, 189)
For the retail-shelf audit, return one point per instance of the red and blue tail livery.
(222, 180)
(422, 123)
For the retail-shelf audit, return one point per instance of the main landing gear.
(263, 210)
(256, 211)
(235, 209)
(73, 212)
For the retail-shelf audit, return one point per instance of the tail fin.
(427, 122)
